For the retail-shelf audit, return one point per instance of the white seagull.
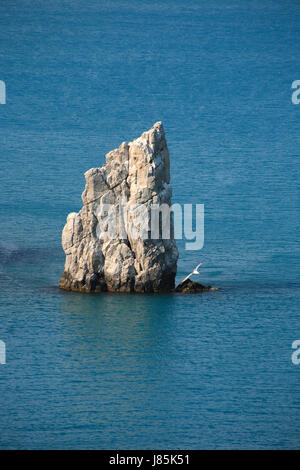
(193, 272)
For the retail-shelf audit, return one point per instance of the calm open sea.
(140, 371)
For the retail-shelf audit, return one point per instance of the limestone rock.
(136, 175)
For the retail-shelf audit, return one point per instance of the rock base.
(191, 287)
(96, 284)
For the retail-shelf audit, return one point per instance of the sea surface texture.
(111, 371)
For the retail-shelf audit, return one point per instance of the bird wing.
(198, 265)
(187, 277)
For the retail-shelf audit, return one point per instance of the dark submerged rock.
(192, 287)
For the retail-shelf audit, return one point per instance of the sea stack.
(136, 176)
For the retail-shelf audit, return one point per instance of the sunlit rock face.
(136, 176)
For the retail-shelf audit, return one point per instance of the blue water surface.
(115, 371)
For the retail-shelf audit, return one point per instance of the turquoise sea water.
(140, 371)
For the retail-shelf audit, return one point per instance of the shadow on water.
(11, 253)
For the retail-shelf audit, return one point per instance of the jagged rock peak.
(118, 198)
